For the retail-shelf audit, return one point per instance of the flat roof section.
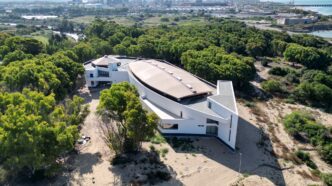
(225, 95)
(162, 114)
(168, 79)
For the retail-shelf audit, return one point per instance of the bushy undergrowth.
(303, 125)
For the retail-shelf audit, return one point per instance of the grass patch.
(126, 21)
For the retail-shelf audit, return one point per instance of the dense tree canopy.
(34, 131)
(54, 74)
(214, 63)
(308, 56)
(27, 45)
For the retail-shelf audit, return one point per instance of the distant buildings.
(296, 20)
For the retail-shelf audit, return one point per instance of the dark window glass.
(212, 121)
(169, 126)
(209, 104)
(212, 130)
(91, 75)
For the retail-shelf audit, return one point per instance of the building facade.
(185, 104)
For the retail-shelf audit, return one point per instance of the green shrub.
(305, 157)
(152, 148)
(327, 178)
(265, 62)
(279, 71)
(157, 139)
(272, 86)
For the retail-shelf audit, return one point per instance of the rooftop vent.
(105, 56)
(178, 78)
(189, 86)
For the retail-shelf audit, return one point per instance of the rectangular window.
(181, 114)
(200, 125)
(168, 126)
(103, 74)
(212, 121)
(230, 125)
(209, 105)
(91, 75)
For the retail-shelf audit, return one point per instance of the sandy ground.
(209, 163)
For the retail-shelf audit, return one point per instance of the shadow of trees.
(254, 150)
(82, 163)
(143, 167)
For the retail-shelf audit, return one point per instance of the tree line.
(38, 117)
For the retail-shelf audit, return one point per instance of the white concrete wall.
(228, 127)
(191, 118)
(186, 126)
(89, 79)
(115, 76)
(119, 76)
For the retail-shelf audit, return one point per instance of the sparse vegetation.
(302, 126)
(305, 157)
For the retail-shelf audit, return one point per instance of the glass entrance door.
(212, 130)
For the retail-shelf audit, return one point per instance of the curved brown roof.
(168, 79)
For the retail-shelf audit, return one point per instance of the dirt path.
(91, 165)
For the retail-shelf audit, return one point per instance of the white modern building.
(185, 104)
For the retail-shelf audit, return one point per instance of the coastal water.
(321, 10)
(323, 33)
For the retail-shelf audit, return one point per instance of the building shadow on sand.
(252, 155)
